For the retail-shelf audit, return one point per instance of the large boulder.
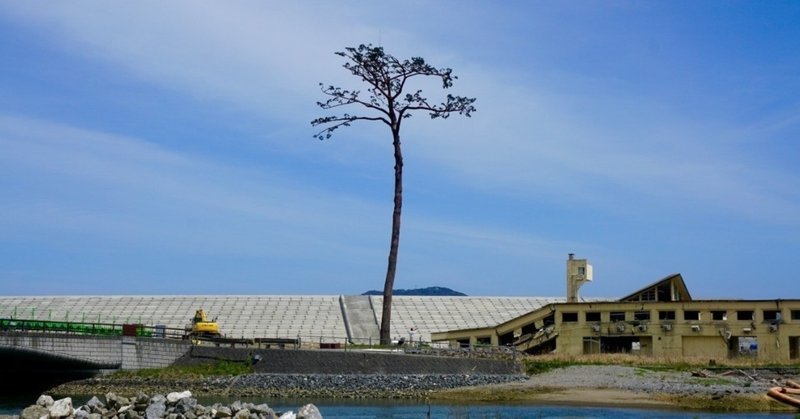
(61, 408)
(95, 405)
(80, 413)
(34, 412)
(222, 412)
(186, 404)
(261, 409)
(156, 409)
(44, 400)
(141, 402)
(236, 406)
(309, 411)
(116, 402)
(177, 395)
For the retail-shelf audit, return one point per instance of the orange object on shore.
(780, 394)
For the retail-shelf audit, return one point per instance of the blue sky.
(157, 147)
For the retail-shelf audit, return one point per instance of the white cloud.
(526, 137)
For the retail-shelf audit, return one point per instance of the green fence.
(94, 329)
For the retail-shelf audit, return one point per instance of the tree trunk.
(388, 286)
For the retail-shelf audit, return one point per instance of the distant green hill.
(439, 291)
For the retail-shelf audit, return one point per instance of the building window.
(592, 316)
(745, 315)
(772, 316)
(581, 270)
(641, 315)
(666, 315)
(569, 317)
(484, 340)
(617, 316)
(719, 315)
(691, 315)
(795, 314)
(649, 295)
(529, 329)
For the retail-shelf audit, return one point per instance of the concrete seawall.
(128, 352)
(276, 361)
(138, 353)
(97, 352)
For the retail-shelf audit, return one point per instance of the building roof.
(670, 288)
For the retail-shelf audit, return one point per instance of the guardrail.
(319, 342)
(401, 346)
(92, 329)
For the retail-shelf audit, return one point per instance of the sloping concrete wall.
(275, 316)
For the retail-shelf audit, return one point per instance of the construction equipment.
(202, 327)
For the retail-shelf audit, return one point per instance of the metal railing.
(90, 328)
(318, 342)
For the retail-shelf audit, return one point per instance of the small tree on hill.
(386, 101)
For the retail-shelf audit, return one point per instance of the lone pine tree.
(387, 101)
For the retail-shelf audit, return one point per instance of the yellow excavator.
(202, 327)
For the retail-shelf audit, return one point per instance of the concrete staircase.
(360, 320)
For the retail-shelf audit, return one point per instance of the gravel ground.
(364, 385)
(660, 382)
(390, 386)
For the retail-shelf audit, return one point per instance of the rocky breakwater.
(379, 386)
(176, 405)
(311, 386)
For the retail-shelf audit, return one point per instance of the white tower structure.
(579, 271)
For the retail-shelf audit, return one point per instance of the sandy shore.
(605, 397)
(612, 385)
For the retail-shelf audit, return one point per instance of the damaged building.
(660, 319)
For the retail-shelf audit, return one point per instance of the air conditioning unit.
(773, 328)
(642, 327)
(620, 327)
(596, 328)
(747, 330)
(667, 327)
(695, 328)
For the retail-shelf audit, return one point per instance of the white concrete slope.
(307, 316)
(362, 324)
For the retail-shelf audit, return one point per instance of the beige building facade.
(659, 320)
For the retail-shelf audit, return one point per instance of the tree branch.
(341, 121)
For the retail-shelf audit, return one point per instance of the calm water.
(402, 410)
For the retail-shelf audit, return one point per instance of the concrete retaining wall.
(126, 352)
(129, 352)
(138, 353)
(287, 361)
(104, 351)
